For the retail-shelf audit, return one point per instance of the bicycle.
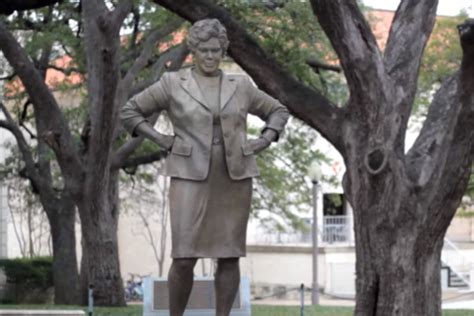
(134, 287)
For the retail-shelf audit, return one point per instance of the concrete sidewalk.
(325, 300)
(451, 300)
(458, 299)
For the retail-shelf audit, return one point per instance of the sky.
(445, 7)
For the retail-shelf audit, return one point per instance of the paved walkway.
(462, 299)
(451, 300)
(324, 300)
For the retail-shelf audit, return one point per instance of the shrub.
(34, 272)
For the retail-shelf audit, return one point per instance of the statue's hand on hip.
(165, 141)
(259, 144)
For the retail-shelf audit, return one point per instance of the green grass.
(257, 310)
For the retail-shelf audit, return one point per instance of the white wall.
(5, 136)
(3, 222)
(292, 265)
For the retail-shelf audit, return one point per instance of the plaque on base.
(201, 302)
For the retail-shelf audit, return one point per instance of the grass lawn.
(257, 310)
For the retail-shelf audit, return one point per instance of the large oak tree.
(90, 164)
(403, 201)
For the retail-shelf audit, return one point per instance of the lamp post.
(315, 175)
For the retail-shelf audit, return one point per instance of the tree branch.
(136, 28)
(444, 150)
(303, 102)
(25, 150)
(130, 146)
(103, 74)
(318, 65)
(67, 71)
(142, 160)
(7, 7)
(356, 47)
(148, 50)
(51, 123)
(123, 8)
(430, 145)
(174, 57)
(96, 6)
(409, 33)
(125, 151)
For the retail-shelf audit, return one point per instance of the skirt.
(209, 218)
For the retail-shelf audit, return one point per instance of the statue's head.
(207, 40)
(203, 30)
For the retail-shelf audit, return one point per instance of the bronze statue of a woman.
(211, 161)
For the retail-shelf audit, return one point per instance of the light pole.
(315, 175)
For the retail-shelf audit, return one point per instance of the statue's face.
(207, 57)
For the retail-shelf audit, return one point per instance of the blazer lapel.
(191, 87)
(228, 88)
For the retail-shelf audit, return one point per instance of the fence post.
(90, 300)
(302, 299)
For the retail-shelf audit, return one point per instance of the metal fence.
(333, 230)
(337, 229)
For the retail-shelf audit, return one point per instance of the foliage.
(442, 58)
(291, 35)
(282, 194)
(59, 31)
(34, 272)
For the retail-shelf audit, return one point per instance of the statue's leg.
(180, 284)
(227, 280)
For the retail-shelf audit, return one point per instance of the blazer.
(192, 120)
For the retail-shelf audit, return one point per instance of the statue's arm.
(136, 111)
(269, 110)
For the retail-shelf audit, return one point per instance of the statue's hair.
(205, 29)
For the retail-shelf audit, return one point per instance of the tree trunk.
(399, 225)
(65, 272)
(404, 282)
(398, 256)
(99, 200)
(100, 261)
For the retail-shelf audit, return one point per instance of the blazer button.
(225, 116)
(229, 153)
(226, 134)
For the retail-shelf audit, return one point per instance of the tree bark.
(98, 207)
(100, 261)
(65, 271)
(397, 246)
(9, 6)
